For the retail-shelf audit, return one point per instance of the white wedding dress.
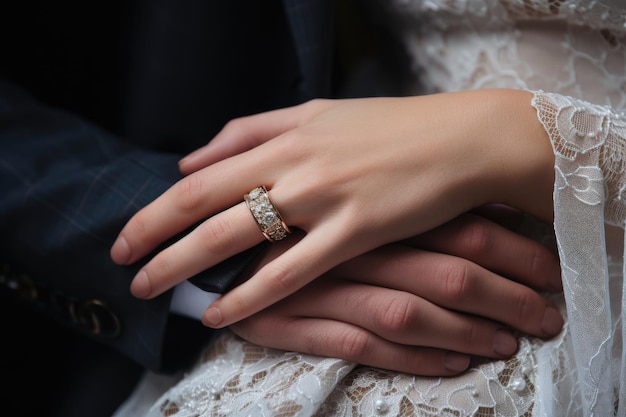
(572, 55)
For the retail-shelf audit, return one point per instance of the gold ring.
(266, 215)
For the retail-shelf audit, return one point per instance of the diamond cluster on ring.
(266, 215)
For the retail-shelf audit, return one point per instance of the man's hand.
(423, 306)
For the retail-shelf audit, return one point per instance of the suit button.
(97, 318)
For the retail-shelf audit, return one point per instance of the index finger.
(245, 133)
(192, 199)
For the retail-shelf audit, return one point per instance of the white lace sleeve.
(589, 142)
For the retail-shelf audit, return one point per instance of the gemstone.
(256, 193)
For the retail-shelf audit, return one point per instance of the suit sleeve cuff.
(190, 301)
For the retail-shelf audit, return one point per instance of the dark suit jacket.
(99, 101)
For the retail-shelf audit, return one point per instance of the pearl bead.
(381, 407)
(518, 385)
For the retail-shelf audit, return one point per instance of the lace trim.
(593, 137)
(588, 142)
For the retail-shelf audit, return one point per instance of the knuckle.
(476, 237)
(353, 344)
(523, 305)
(236, 126)
(188, 193)
(241, 127)
(458, 279)
(538, 259)
(472, 336)
(293, 144)
(398, 315)
(282, 278)
(216, 234)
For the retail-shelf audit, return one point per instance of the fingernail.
(212, 317)
(552, 321)
(140, 287)
(504, 343)
(456, 362)
(120, 251)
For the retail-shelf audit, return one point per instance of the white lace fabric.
(588, 141)
(236, 378)
(572, 56)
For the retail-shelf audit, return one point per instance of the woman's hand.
(424, 306)
(352, 174)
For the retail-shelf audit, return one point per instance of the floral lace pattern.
(236, 378)
(588, 142)
(576, 49)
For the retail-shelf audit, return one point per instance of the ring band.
(266, 215)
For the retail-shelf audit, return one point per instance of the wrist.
(524, 160)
